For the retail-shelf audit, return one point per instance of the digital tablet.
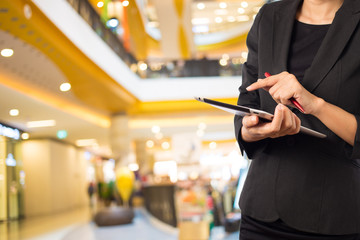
(244, 111)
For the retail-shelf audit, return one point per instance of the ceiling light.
(150, 144)
(14, 112)
(25, 136)
(218, 19)
(143, 66)
(27, 11)
(133, 167)
(223, 5)
(125, 3)
(155, 129)
(200, 21)
(100, 4)
(212, 145)
(65, 87)
(165, 145)
(200, 29)
(200, 6)
(241, 10)
(42, 123)
(7, 52)
(223, 62)
(86, 142)
(112, 23)
(244, 55)
(194, 175)
(244, 4)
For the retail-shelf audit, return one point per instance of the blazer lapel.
(339, 33)
(282, 31)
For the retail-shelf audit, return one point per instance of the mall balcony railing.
(164, 69)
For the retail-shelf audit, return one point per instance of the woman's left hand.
(284, 86)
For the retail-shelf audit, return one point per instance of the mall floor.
(77, 224)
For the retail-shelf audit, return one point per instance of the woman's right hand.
(284, 123)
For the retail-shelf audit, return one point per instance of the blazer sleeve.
(250, 99)
(353, 152)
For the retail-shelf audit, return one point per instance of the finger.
(262, 83)
(250, 121)
(278, 118)
(288, 124)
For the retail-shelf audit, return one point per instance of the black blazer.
(312, 184)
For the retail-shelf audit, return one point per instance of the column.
(120, 139)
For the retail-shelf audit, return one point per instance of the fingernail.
(253, 118)
(280, 106)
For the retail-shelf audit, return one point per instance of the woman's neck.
(318, 11)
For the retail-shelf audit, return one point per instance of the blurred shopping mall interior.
(100, 134)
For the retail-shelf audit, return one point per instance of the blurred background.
(98, 114)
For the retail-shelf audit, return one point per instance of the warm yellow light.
(86, 142)
(14, 112)
(65, 87)
(150, 144)
(244, 55)
(133, 67)
(165, 145)
(244, 4)
(7, 52)
(133, 167)
(155, 129)
(42, 123)
(212, 145)
(194, 175)
(223, 5)
(100, 4)
(218, 19)
(200, 6)
(223, 62)
(143, 66)
(125, 3)
(25, 136)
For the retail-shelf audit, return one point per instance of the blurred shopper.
(300, 186)
(91, 191)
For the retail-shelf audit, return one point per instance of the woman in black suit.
(300, 186)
